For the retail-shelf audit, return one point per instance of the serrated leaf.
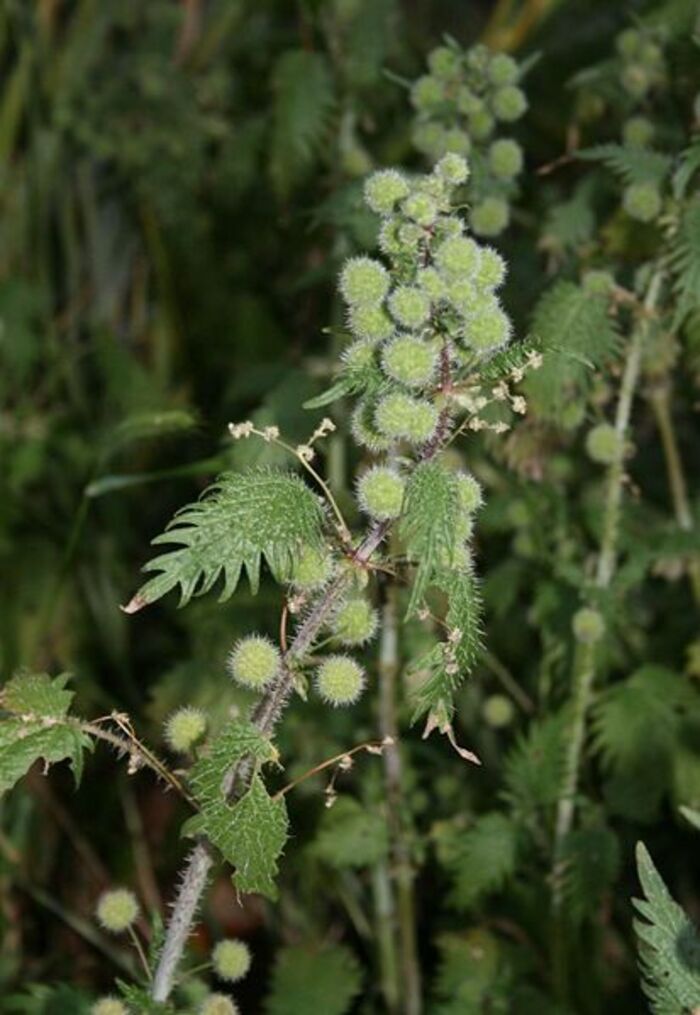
(322, 980)
(22, 743)
(37, 694)
(669, 945)
(684, 262)
(534, 767)
(351, 835)
(591, 860)
(242, 519)
(483, 859)
(633, 165)
(238, 740)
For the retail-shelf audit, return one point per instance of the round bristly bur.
(371, 323)
(490, 217)
(470, 493)
(427, 92)
(463, 296)
(363, 280)
(636, 80)
(354, 622)
(492, 269)
(231, 960)
(410, 235)
(421, 208)
(340, 680)
(588, 626)
(409, 306)
(629, 43)
(468, 102)
(487, 330)
(505, 158)
(409, 360)
(458, 257)
(508, 103)
(637, 132)
(108, 1006)
(603, 444)
(444, 62)
(184, 728)
(117, 909)
(313, 568)
(404, 418)
(503, 70)
(380, 492)
(254, 662)
(481, 124)
(453, 169)
(429, 138)
(642, 201)
(498, 711)
(456, 142)
(219, 1004)
(364, 431)
(431, 282)
(358, 354)
(384, 189)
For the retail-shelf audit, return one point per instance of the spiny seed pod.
(490, 217)
(492, 269)
(453, 169)
(254, 662)
(371, 323)
(588, 626)
(468, 102)
(427, 92)
(421, 208)
(354, 622)
(431, 282)
(642, 201)
(231, 960)
(410, 236)
(218, 1004)
(636, 80)
(638, 132)
(458, 257)
(487, 330)
(503, 70)
(429, 138)
(380, 491)
(470, 495)
(364, 281)
(185, 728)
(117, 909)
(505, 158)
(312, 569)
(339, 680)
(508, 103)
(456, 142)
(108, 1006)
(409, 360)
(383, 190)
(444, 62)
(603, 444)
(481, 124)
(363, 429)
(404, 418)
(498, 711)
(409, 306)
(359, 354)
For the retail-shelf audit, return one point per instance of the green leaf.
(321, 980)
(303, 99)
(238, 740)
(38, 694)
(591, 861)
(669, 945)
(534, 767)
(633, 165)
(243, 518)
(351, 835)
(684, 262)
(484, 858)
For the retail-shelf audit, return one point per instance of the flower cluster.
(459, 105)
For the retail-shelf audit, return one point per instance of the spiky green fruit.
(470, 494)
(108, 1006)
(468, 102)
(603, 444)
(508, 103)
(458, 257)
(354, 622)
(380, 491)
(384, 190)
(490, 217)
(185, 728)
(503, 70)
(410, 306)
(636, 80)
(492, 269)
(364, 281)
(453, 169)
(444, 62)
(254, 662)
(427, 92)
(456, 142)
(421, 208)
(637, 132)
(363, 429)
(505, 158)
(117, 909)
(487, 330)
(431, 282)
(429, 138)
(481, 124)
(642, 201)
(371, 323)
(410, 360)
(588, 626)
(358, 354)
(231, 960)
(219, 1004)
(312, 569)
(404, 418)
(498, 711)
(339, 680)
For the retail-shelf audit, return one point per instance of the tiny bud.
(603, 444)
(117, 909)
(588, 626)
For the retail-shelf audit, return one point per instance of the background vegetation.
(179, 185)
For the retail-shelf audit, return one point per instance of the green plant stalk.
(402, 866)
(385, 917)
(660, 401)
(585, 658)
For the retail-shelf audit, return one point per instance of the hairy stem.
(265, 718)
(402, 868)
(660, 401)
(385, 916)
(585, 657)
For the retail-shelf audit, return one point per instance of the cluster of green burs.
(459, 106)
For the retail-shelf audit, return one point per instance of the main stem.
(265, 718)
(585, 657)
(402, 867)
